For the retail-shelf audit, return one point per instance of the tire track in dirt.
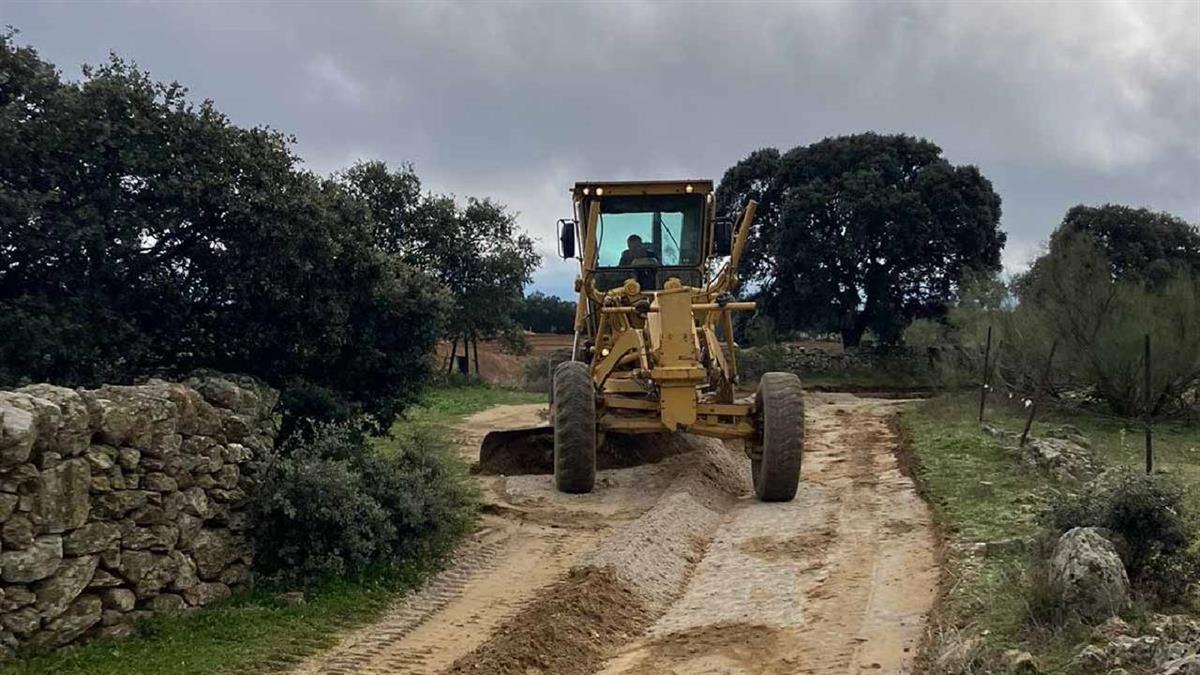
(531, 538)
(837, 581)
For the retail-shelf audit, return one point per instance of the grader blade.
(518, 451)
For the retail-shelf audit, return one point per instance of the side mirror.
(566, 238)
(723, 231)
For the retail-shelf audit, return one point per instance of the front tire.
(574, 419)
(780, 406)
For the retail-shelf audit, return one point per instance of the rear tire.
(780, 406)
(574, 419)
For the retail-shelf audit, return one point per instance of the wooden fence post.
(1037, 394)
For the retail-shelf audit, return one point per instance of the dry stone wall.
(123, 502)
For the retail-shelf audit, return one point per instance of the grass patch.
(980, 493)
(250, 633)
(254, 632)
(450, 404)
(868, 381)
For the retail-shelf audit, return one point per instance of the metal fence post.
(987, 352)
(1146, 413)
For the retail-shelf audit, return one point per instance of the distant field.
(547, 343)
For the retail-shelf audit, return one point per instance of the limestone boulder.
(192, 501)
(8, 504)
(20, 480)
(237, 393)
(148, 417)
(92, 538)
(185, 572)
(17, 532)
(159, 482)
(1059, 458)
(79, 617)
(213, 550)
(23, 622)
(102, 458)
(46, 418)
(206, 593)
(105, 579)
(56, 593)
(16, 597)
(128, 458)
(113, 423)
(149, 572)
(18, 431)
(166, 604)
(63, 502)
(189, 527)
(160, 538)
(73, 433)
(1086, 575)
(236, 453)
(41, 559)
(115, 505)
(120, 599)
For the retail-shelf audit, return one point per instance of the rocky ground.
(674, 567)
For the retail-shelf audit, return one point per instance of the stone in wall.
(123, 502)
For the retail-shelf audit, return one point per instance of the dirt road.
(673, 568)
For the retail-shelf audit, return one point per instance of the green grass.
(867, 381)
(449, 404)
(254, 632)
(251, 633)
(980, 493)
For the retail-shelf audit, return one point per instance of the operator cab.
(647, 231)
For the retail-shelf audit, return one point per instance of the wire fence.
(1033, 400)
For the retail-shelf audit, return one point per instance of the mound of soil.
(569, 629)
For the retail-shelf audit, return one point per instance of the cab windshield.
(650, 231)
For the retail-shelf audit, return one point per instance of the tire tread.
(780, 400)
(574, 428)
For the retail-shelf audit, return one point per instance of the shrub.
(313, 517)
(1150, 527)
(535, 375)
(331, 505)
(423, 490)
(513, 341)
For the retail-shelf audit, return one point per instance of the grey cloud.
(1057, 103)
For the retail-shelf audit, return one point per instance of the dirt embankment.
(672, 568)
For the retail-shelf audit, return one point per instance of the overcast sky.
(1057, 104)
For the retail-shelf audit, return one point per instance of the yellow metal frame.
(657, 360)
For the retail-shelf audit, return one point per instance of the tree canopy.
(541, 313)
(862, 232)
(144, 235)
(1139, 243)
(474, 250)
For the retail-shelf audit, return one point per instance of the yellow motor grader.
(654, 349)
